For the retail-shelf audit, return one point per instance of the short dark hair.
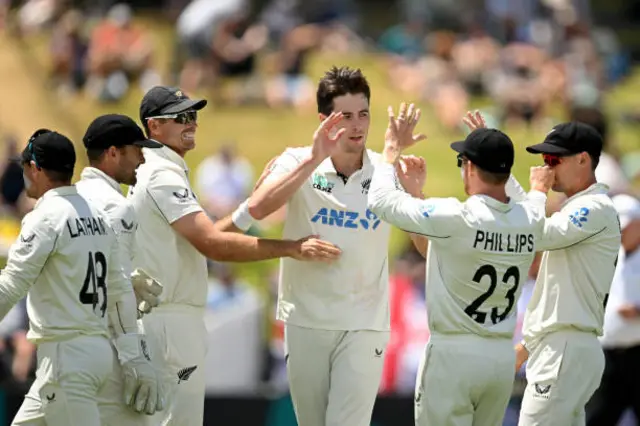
(595, 160)
(340, 81)
(58, 176)
(95, 154)
(493, 178)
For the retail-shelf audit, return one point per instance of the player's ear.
(322, 117)
(111, 151)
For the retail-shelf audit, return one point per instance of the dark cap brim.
(547, 148)
(458, 146)
(148, 143)
(186, 105)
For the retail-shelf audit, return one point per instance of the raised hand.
(326, 137)
(399, 134)
(412, 173)
(541, 178)
(474, 120)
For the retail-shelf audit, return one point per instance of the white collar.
(93, 173)
(166, 153)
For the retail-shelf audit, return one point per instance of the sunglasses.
(551, 160)
(461, 160)
(32, 140)
(186, 117)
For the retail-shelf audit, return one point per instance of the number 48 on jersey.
(94, 281)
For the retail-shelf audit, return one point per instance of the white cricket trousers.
(564, 370)
(334, 376)
(177, 339)
(113, 410)
(69, 376)
(464, 380)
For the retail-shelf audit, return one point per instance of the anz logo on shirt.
(579, 217)
(346, 219)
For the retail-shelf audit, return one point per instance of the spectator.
(609, 170)
(196, 28)
(12, 196)
(120, 52)
(69, 52)
(226, 290)
(223, 181)
(16, 352)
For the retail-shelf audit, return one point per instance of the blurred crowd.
(525, 55)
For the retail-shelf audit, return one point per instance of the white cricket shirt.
(619, 332)
(104, 192)
(67, 259)
(581, 244)
(479, 253)
(352, 292)
(161, 196)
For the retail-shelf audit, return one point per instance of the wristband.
(241, 217)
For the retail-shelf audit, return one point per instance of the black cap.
(115, 130)
(568, 139)
(50, 151)
(162, 100)
(489, 149)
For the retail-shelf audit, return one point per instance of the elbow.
(257, 209)
(374, 203)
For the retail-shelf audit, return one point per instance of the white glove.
(146, 289)
(142, 385)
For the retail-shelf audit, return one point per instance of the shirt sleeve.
(285, 164)
(172, 195)
(514, 190)
(433, 217)
(123, 222)
(573, 224)
(118, 281)
(27, 257)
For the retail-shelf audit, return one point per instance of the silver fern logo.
(185, 373)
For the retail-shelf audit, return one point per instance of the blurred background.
(527, 64)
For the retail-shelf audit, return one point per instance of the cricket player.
(66, 259)
(173, 240)
(114, 146)
(479, 254)
(336, 316)
(566, 312)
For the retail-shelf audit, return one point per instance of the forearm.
(232, 247)
(270, 197)
(11, 291)
(226, 225)
(514, 190)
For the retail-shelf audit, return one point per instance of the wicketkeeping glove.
(142, 385)
(146, 289)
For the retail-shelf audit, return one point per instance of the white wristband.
(242, 218)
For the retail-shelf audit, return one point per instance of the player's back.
(475, 270)
(69, 297)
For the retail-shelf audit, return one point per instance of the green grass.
(261, 133)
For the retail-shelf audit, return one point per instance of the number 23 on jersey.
(510, 277)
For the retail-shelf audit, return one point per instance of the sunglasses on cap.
(186, 117)
(30, 144)
(551, 160)
(461, 160)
